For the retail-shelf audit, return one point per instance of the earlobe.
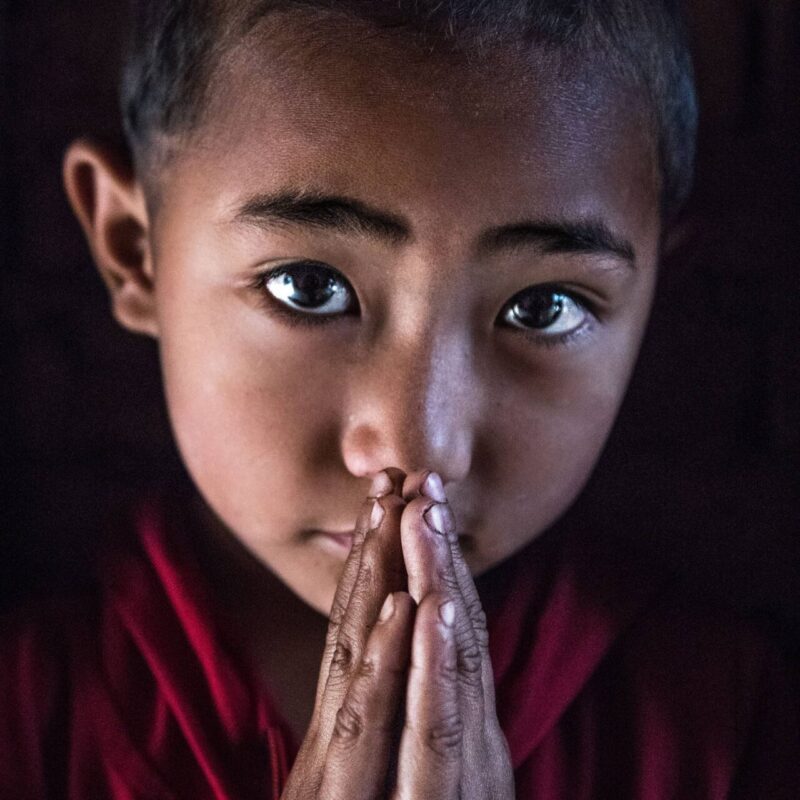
(110, 206)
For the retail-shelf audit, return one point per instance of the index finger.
(386, 482)
(429, 484)
(380, 572)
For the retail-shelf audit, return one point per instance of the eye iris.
(309, 288)
(539, 309)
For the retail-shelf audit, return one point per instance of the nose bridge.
(413, 406)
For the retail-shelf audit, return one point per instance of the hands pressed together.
(405, 700)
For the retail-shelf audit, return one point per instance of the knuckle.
(479, 625)
(470, 661)
(445, 738)
(470, 666)
(482, 639)
(342, 656)
(341, 663)
(367, 668)
(382, 668)
(448, 670)
(349, 724)
(476, 613)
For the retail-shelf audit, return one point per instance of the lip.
(342, 541)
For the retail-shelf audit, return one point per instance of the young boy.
(404, 250)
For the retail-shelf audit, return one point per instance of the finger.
(430, 568)
(482, 729)
(477, 616)
(429, 484)
(426, 550)
(430, 563)
(424, 482)
(482, 732)
(358, 755)
(386, 482)
(344, 589)
(396, 477)
(381, 571)
(492, 734)
(430, 753)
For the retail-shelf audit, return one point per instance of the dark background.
(703, 468)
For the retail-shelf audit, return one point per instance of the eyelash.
(298, 319)
(560, 339)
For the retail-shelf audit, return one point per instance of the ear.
(110, 205)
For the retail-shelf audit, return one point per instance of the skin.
(283, 427)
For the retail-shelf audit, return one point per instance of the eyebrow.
(349, 216)
(582, 236)
(327, 212)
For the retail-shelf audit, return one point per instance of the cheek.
(546, 432)
(246, 424)
(560, 445)
(246, 410)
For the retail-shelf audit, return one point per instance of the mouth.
(340, 543)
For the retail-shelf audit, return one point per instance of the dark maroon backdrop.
(703, 466)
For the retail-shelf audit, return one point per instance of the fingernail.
(433, 488)
(387, 609)
(381, 485)
(438, 518)
(447, 613)
(376, 516)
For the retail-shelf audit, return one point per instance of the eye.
(548, 310)
(310, 288)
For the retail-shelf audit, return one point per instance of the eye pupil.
(539, 309)
(309, 288)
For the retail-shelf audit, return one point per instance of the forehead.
(348, 109)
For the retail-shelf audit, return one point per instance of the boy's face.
(494, 181)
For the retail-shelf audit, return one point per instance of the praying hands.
(405, 699)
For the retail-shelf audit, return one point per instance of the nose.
(413, 406)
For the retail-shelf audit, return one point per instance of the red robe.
(606, 687)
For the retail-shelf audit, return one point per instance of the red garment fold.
(607, 686)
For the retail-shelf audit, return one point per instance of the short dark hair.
(175, 44)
